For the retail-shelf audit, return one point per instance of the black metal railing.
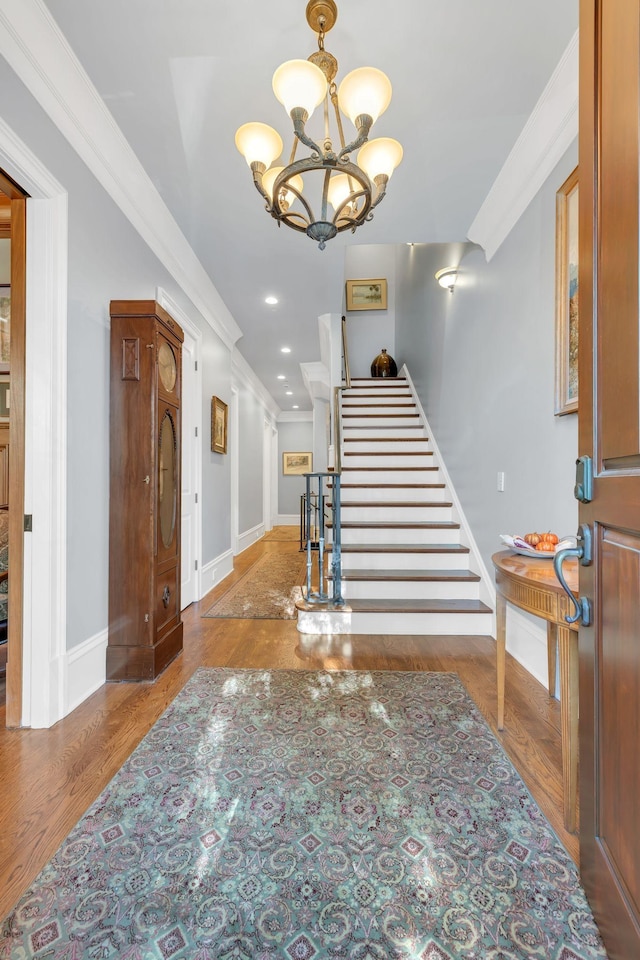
(320, 509)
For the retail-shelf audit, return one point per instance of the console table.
(531, 584)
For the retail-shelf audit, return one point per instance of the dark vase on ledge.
(384, 365)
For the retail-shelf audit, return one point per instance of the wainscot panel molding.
(287, 520)
(38, 52)
(85, 669)
(547, 135)
(216, 570)
(249, 537)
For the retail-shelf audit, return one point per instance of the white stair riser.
(405, 494)
(409, 590)
(377, 398)
(391, 476)
(355, 459)
(376, 422)
(390, 535)
(388, 440)
(387, 514)
(404, 561)
(434, 624)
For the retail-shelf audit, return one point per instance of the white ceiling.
(180, 76)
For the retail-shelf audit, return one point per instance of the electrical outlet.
(500, 481)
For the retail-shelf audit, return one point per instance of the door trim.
(43, 680)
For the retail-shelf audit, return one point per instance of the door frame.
(38, 696)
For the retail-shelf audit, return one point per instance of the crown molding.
(547, 135)
(296, 416)
(243, 375)
(36, 49)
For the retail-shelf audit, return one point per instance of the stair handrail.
(345, 354)
(316, 501)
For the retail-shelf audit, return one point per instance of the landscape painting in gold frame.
(218, 425)
(295, 464)
(366, 294)
(566, 399)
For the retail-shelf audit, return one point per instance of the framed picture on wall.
(366, 294)
(5, 326)
(566, 399)
(218, 425)
(296, 464)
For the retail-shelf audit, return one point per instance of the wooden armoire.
(145, 627)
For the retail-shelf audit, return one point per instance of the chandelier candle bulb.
(365, 91)
(298, 83)
(259, 143)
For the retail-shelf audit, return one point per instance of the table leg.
(568, 642)
(552, 656)
(501, 632)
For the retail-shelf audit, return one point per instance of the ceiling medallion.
(345, 190)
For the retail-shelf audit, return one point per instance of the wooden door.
(609, 432)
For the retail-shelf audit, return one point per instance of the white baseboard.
(527, 642)
(249, 537)
(86, 669)
(287, 520)
(215, 571)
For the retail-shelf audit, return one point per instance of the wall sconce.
(447, 277)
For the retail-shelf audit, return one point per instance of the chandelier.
(345, 191)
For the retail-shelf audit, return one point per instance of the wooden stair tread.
(391, 486)
(377, 416)
(418, 606)
(449, 548)
(386, 469)
(386, 439)
(397, 503)
(417, 575)
(379, 380)
(398, 525)
(368, 406)
(387, 453)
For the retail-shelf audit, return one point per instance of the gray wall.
(368, 331)
(107, 260)
(250, 460)
(482, 360)
(292, 436)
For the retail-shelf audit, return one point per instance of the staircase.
(405, 567)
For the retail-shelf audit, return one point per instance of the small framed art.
(296, 464)
(366, 295)
(218, 425)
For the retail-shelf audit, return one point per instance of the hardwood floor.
(48, 778)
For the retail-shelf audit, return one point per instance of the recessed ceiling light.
(289, 393)
(295, 407)
(285, 349)
(271, 301)
(281, 376)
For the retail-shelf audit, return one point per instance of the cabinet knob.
(147, 479)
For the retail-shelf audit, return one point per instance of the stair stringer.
(487, 590)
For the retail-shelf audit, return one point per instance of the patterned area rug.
(267, 591)
(308, 816)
